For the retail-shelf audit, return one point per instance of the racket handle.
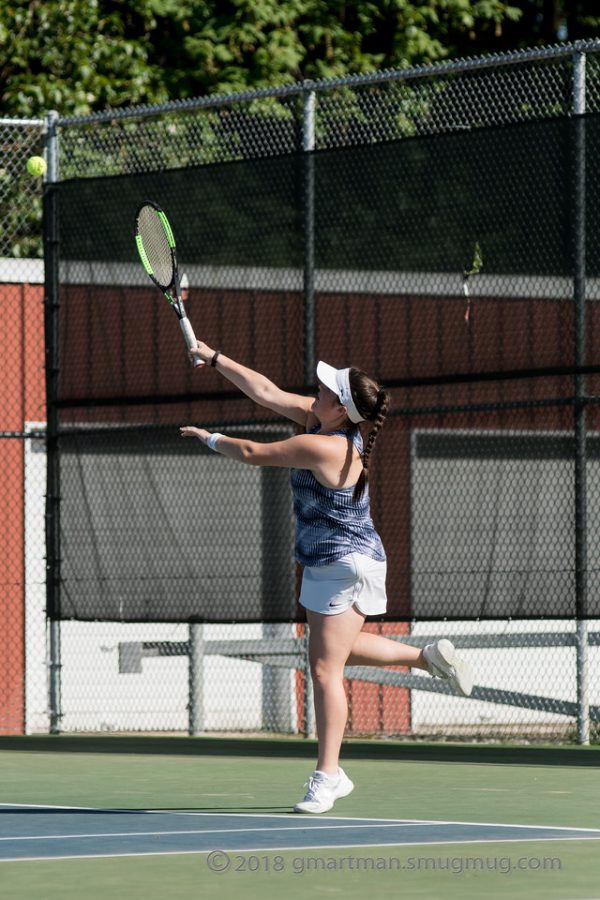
(190, 338)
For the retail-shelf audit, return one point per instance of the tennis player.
(336, 543)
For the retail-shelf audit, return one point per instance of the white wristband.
(212, 440)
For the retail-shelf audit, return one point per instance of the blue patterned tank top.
(329, 523)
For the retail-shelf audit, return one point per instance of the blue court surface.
(44, 832)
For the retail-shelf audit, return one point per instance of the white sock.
(326, 776)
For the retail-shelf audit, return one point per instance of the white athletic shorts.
(354, 580)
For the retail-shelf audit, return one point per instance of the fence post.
(308, 146)
(308, 168)
(196, 718)
(278, 577)
(52, 515)
(310, 728)
(579, 275)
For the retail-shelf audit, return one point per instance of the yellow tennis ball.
(36, 165)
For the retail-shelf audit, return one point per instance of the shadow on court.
(132, 810)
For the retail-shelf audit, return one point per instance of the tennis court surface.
(28, 832)
(183, 817)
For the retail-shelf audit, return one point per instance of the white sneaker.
(323, 791)
(443, 662)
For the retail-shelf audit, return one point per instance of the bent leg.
(376, 650)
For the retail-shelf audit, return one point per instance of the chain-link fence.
(22, 415)
(331, 220)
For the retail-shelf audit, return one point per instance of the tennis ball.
(36, 165)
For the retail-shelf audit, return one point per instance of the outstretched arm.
(303, 451)
(256, 386)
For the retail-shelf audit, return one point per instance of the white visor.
(338, 381)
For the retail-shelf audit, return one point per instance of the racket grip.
(190, 338)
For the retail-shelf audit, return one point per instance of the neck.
(343, 423)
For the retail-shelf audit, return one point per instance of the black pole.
(308, 169)
(580, 380)
(308, 146)
(52, 513)
(580, 425)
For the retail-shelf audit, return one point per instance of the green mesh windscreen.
(355, 256)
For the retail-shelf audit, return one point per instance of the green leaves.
(71, 55)
(80, 56)
(477, 261)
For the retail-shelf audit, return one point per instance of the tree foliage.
(71, 55)
(79, 56)
(83, 56)
(236, 44)
(539, 23)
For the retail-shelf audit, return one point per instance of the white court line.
(300, 819)
(216, 813)
(263, 850)
(596, 831)
(304, 818)
(121, 834)
(226, 831)
(286, 817)
(52, 806)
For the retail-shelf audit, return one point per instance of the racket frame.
(171, 291)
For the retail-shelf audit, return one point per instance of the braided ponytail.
(373, 403)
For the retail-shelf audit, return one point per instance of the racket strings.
(156, 245)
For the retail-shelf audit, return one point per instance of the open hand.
(191, 431)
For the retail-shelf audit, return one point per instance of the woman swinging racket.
(342, 554)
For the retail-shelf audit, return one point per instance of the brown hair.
(372, 402)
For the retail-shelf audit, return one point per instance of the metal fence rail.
(291, 654)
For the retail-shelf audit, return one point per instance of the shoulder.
(303, 451)
(322, 448)
(319, 443)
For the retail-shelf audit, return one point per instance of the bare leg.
(331, 639)
(376, 650)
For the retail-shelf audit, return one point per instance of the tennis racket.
(156, 246)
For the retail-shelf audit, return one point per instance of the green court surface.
(420, 784)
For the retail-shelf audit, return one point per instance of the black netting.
(478, 476)
(158, 528)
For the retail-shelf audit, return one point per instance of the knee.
(325, 672)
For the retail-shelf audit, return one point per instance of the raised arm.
(257, 387)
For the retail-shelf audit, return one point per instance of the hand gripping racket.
(156, 246)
